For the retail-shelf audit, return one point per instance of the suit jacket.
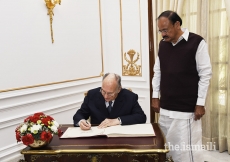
(126, 107)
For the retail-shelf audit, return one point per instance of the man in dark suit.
(109, 105)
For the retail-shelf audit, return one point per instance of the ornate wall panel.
(28, 57)
(131, 48)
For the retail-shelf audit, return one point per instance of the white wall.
(27, 52)
(86, 43)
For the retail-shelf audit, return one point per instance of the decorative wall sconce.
(50, 4)
(131, 68)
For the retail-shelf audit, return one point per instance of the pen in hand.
(89, 125)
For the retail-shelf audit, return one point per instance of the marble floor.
(215, 156)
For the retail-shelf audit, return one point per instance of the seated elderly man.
(109, 105)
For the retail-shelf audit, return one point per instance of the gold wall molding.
(131, 69)
(47, 84)
(56, 150)
(50, 4)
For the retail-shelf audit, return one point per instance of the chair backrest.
(129, 89)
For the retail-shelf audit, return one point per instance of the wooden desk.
(101, 149)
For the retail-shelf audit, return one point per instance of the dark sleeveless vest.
(179, 76)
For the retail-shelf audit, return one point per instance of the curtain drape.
(208, 18)
(227, 5)
(216, 122)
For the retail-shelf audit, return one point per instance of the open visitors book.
(136, 130)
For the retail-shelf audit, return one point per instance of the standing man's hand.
(156, 105)
(199, 112)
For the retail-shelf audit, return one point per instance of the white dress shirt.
(204, 69)
(107, 103)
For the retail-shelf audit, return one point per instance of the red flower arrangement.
(37, 127)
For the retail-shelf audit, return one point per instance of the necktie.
(110, 106)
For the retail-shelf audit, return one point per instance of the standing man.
(109, 105)
(181, 78)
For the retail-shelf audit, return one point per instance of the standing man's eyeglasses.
(164, 31)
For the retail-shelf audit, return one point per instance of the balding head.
(111, 84)
(112, 78)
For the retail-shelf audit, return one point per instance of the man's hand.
(199, 112)
(84, 125)
(156, 105)
(109, 122)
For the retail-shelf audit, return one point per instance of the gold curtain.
(216, 122)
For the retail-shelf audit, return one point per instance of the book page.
(73, 132)
(136, 130)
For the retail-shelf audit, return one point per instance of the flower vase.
(37, 130)
(40, 143)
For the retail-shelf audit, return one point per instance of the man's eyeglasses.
(110, 94)
(164, 31)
